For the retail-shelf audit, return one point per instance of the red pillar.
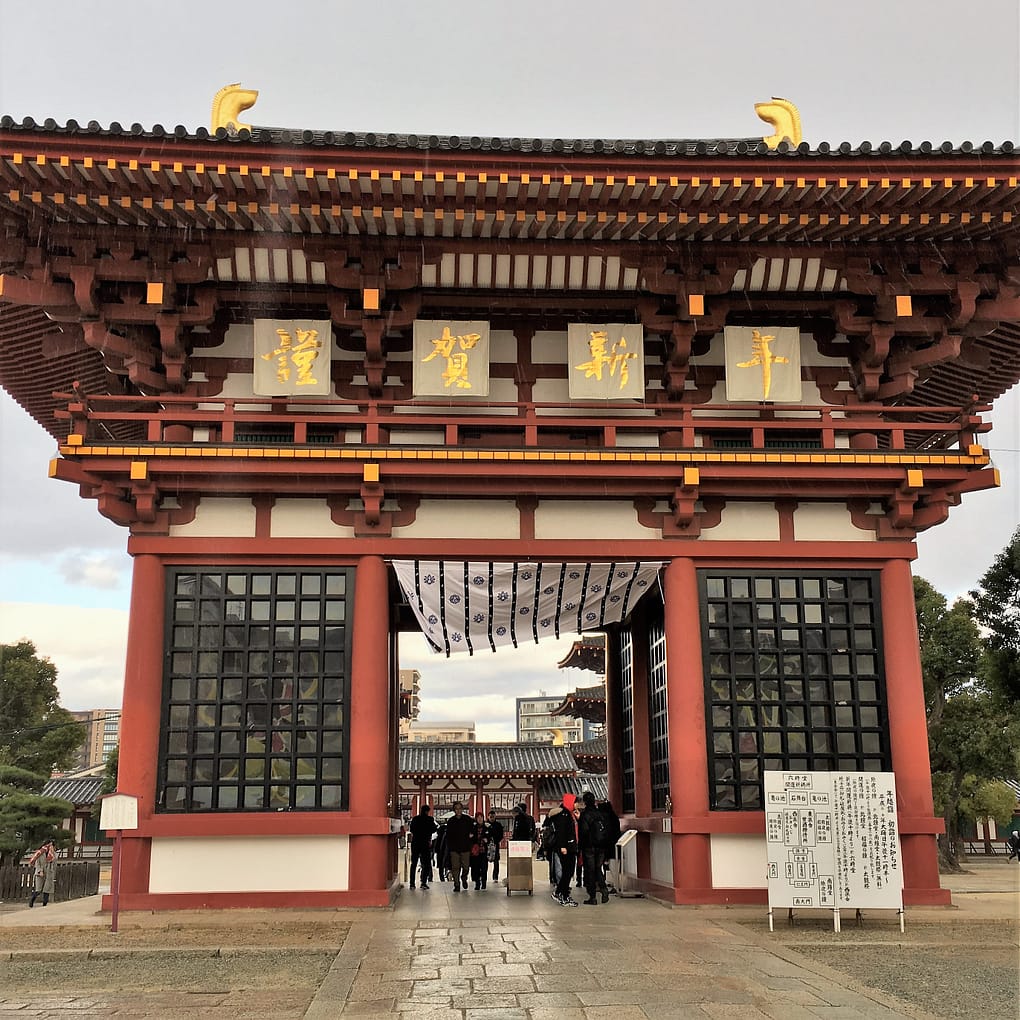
(141, 712)
(688, 751)
(908, 738)
(369, 783)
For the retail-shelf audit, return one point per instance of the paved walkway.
(477, 955)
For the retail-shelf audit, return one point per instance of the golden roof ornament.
(228, 105)
(783, 117)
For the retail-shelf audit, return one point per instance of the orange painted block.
(904, 306)
(154, 293)
(915, 479)
(139, 470)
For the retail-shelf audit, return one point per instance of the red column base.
(708, 897)
(339, 899)
(935, 897)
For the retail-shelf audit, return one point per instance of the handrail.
(175, 418)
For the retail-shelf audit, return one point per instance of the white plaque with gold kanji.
(451, 359)
(292, 357)
(606, 361)
(763, 364)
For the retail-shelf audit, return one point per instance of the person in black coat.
(593, 831)
(422, 828)
(523, 827)
(564, 825)
(496, 834)
(460, 831)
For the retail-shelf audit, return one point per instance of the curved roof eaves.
(678, 147)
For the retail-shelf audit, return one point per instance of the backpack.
(548, 837)
(598, 830)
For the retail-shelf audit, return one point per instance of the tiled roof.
(554, 788)
(594, 748)
(678, 147)
(80, 792)
(442, 759)
(588, 653)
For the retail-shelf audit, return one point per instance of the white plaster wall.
(305, 518)
(661, 858)
(249, 864)
(219, 518)
(745, 522)
(463, 518)
(549, 347)
(238, 342)
(552, 391)
(566, 518)
(502, 347)
(827, 522)
(738, 862)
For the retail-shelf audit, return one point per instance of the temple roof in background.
(473, 760)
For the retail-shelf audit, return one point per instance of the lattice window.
(794, 678)
(256, 690)
(658, 717)
(627, 705)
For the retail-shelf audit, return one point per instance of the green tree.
(951, 648)
(110, 771)
(971, 734)
(973, 743)
(997, 609)
(27, 818)
(988, 798)
(37, 736)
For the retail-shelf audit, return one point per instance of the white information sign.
(118, 811)
(832, 840)
(519, 848)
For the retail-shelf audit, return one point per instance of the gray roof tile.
(437, 759)
(79, 792)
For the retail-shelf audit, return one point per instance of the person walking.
(479, 851)
(496, 834)
(42, 863)
(442, 853)
(593, 836)
(564, 825)
(459, 836)
(422, 828)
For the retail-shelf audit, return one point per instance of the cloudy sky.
(875, 70)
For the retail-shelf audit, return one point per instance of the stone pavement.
(477, 955)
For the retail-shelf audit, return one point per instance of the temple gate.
(741, 375)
